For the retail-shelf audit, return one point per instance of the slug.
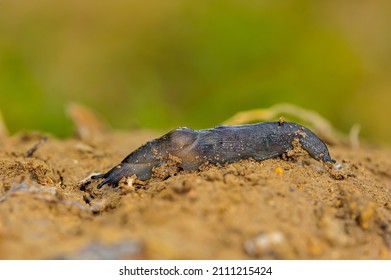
(219, 145)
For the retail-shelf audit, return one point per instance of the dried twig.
(87, 122)
(354, 136)
(3, 127)
(321, 125)
(31, 151)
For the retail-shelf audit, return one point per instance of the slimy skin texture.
(219, 145)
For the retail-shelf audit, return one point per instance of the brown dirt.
(291, 208)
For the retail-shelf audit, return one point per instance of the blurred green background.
(164, 64)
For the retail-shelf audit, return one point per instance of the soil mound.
(274, 209)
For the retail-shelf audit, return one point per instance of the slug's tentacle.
(222, 144)
(112, 177)
(143, 171)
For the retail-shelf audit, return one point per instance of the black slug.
(222, 144)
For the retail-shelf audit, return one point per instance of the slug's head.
(143, 171)
(112, 177)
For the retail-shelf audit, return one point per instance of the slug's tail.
(315, 147)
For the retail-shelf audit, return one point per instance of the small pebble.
(124, 249)
(264, 243)
(338, 166)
